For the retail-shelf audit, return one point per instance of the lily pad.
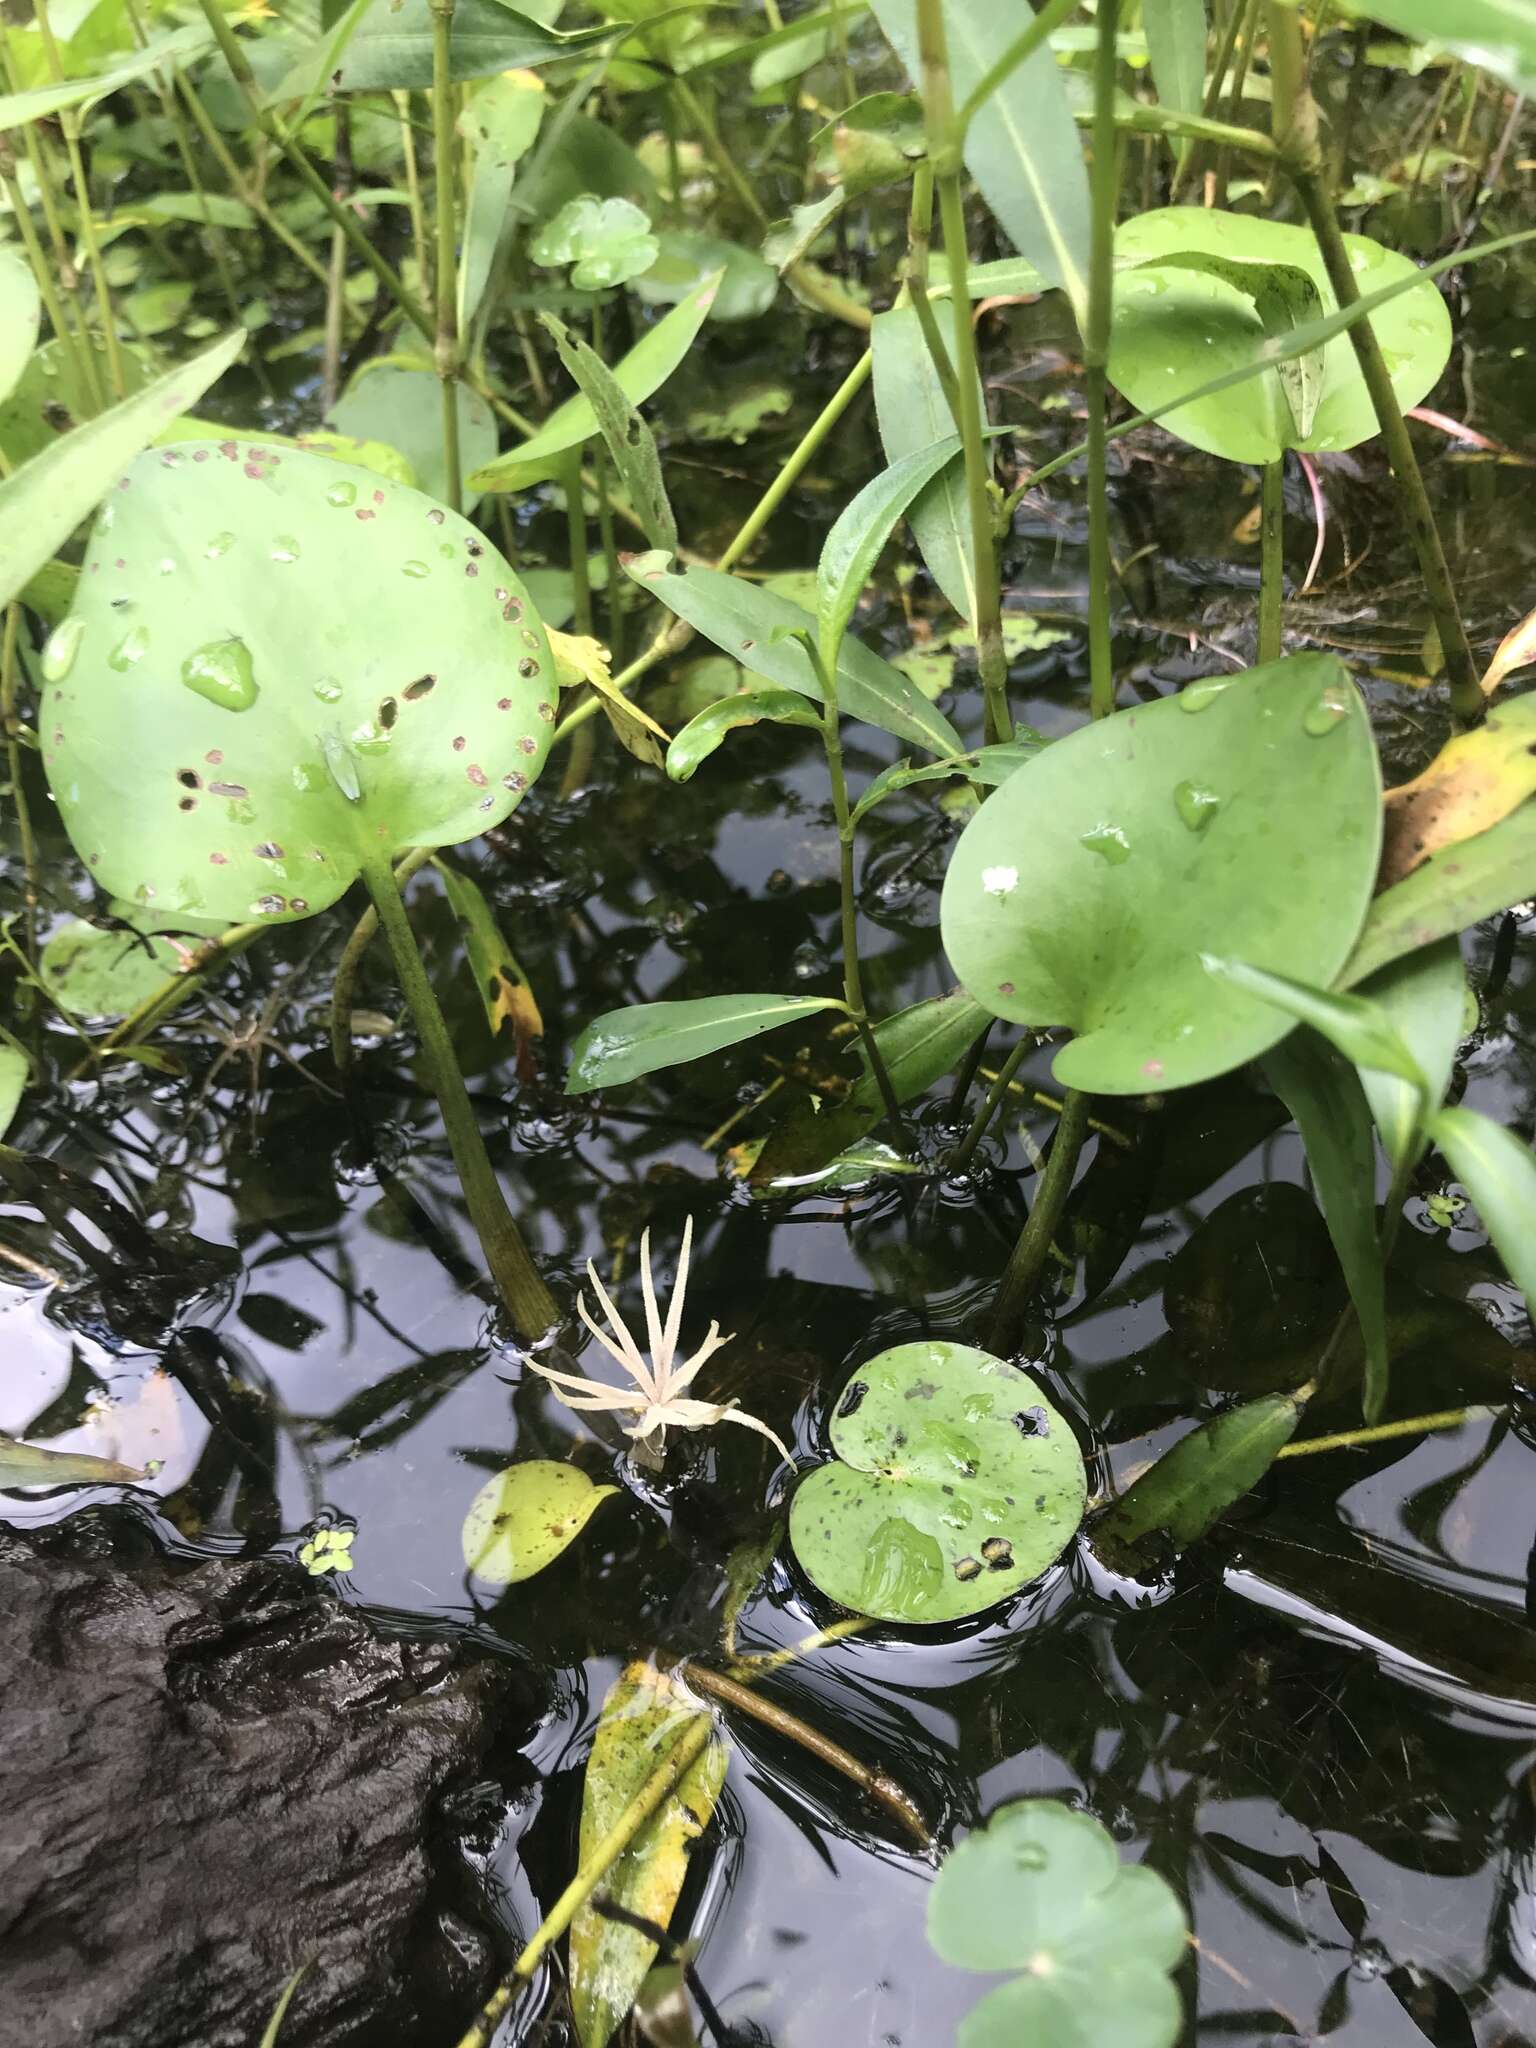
(1176, 327)
(399, 402)
(522, 1520)
(1041, 1889)
(227, 733)
(955, 1483)
(1086, 890)
(106, 971)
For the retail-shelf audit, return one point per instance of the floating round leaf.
(1041, 1889)
(1085, 891)
(228, 731)
(955, 1483)
(1176, 327)
(521, 1520)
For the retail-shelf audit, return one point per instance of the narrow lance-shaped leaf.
(913, 413)
(1358, 1027)
(499, 121)
(46, 499)
(852, 548)
(1175, 31)
(630, 441)
(761, 630)
(1021, 147)
(623, 1044)
(33, 1465)
(20, 309)
(707, 730)
(1452, 890)
(1499, 1172)
(1323, 1093)
(181, 46)
(502, 984)
(1424, 999)
(15, 1071)
(1196, 1481)
(642, 371)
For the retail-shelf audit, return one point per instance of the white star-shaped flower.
(655, 1400)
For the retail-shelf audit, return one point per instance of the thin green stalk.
(790, 474)
(9, 677)
(658, 1787)
(245, 189)
(69, 123)
(965, 1151)
(614, 576)
(1033, 1248)
(154, 1010)
(1104, 192)
(1023, 45)
(842, 811)
(944, 153)
(919, 242)
(1384, 1432)
(1271, 559)
(446, 351)
(75, 330)
(576, 541)
(336, 288)
(418, 212)
(43, 273)
(1188, 167)
(1297, 132)
(1235, 98)
(529, 1302)
(348, 967)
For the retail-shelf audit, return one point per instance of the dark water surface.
(1327, 1754)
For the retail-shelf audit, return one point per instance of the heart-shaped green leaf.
(226, 733)
(1177, 327)
(399, 401)
(522, 1519)
(103, 971)
(1087, 890)
(1041, 1889)
(955, 1483)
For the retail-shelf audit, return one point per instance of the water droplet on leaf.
(342, 765)
(222, 673)
(1202, 694)
(1108, 842)
(1329, 710)
(131, 649)
(341, 494)
(285, 548)
(416, 569)
(63, 645)
(219, 545)
(1196, 805)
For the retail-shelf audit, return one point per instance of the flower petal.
(623, 1350)
(660, 1355)
(703, 1414)
(666, 1350)
(684, 1376)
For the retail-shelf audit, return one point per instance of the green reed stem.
(528, 1301)
(965, 1151)
(418, 211)
(1271, 560)
(810, 445)
(1023, 45)
(446, 348)
(944, 139)
(69, 124)
(44, 274)
(344, 981)
(10, 670)
(657, 1789)
(1297, 132)
(1384, 1432)
(919, 243)
(1104, 198)
(245, 189)
(1024, 1268)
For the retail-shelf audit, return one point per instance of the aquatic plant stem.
(1023, 46)
(1104, 190)
(244, 188)
(1271, 559)
(1298, 135)
(133, 1028)
(944, 153)
(69, 124)
(853, 980)
(446, 347)
(9, 676)
(658, 1787)
(418, 212)
(344, 981)
(1033, 1248)
(965, 1151)
(42, 271)
(1384, 1432)
(876, 1785)
(790, 474)
(529, 1302)
(919, 242)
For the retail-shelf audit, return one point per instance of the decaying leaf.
(1516, 650)
(502, 983)
(1475, 780)
(644, 1715)
(580, 659)
(31, 1465)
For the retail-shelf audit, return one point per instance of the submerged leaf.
(1194, 1483)
(522, 1519)
(645, 1714)
(953, 1484)
(32, 1465)
(1498, 1170)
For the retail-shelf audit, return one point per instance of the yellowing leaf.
(522, 1519)
(645, 1714)
(1475, 780)
(1516, 650)
(502, 983)
(580, 659)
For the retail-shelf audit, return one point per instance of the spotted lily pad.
(522, 1519)
(1085, 892)
(277, 667)
(955, 1483)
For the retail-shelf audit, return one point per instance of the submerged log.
(214, 1772)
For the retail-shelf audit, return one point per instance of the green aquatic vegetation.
(954, 1483)
(522, 1519)
(1041, 1890)
(328, 1550)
